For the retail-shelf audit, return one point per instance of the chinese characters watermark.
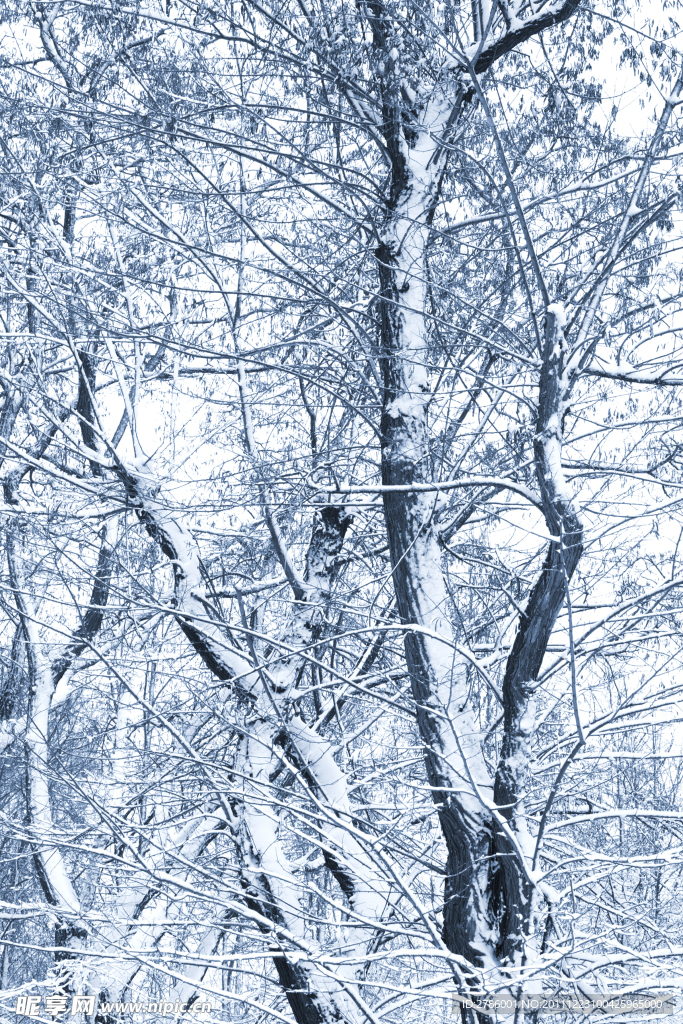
(58, 1005)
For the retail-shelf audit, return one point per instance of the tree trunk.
(456, 769)
(511, 889)
(486, 918)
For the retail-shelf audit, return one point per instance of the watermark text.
(659, 1002)
(59, 1005)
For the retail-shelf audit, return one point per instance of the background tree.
(340, 458)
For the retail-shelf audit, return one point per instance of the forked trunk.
(455, 765)
(488, 893)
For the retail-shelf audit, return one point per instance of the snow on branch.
(193, 613)
(518, 31)
(10, 730)
(52, 872)
(92, 620)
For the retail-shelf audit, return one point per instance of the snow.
(560, 313)
(270, 860)
(291, 791)
(407, 406)
(188, 577)
(550, 893)
(552, 447)
(138, 467)
(371, 898)
(63, 689)
(10, 729)
(528, 720)
(407, 236)
(37, 729)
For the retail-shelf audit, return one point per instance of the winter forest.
(341, 448)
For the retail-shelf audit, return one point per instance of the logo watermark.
(59, 1005)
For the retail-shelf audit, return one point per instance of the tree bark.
(316, 993)
(417, 139)
(511, 889)
(456, 769)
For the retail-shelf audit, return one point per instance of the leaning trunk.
(512, 890)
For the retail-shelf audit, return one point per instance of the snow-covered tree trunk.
(419, 126)
(51, 870)
(455, 765)
(265, 798)
(275, 736)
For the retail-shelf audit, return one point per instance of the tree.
(318, 668)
